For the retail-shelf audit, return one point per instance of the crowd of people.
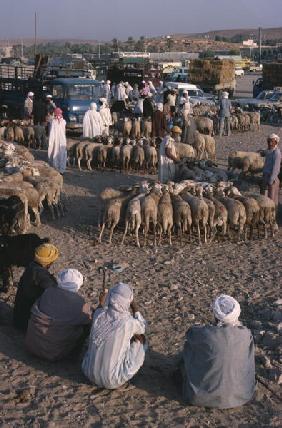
(217, 365)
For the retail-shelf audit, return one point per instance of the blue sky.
(104, 20)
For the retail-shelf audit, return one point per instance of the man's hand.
(133, 306)
(102, 297)
(139, 338)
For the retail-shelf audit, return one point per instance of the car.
(197, 96)
(262, 99)
(239, 72)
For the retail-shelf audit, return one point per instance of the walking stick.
(107, 269)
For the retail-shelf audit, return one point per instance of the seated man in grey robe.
(219, 360)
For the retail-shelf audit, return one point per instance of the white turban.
(30, 94)
(120, 297)
(108, 82)
(226, 309)
(93, 106)
(70, 279)
(274, 137)
(160, 106)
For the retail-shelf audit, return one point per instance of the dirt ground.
(174, 287)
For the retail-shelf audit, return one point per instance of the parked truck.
(213, 75)
(271, 78)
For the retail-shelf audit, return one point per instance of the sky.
(107, 19)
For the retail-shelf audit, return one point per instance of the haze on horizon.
(104, 20)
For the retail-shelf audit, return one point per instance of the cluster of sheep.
(184, 208)
(22, 132)
(126, 154)
(245, 121)
(34, 182)
(240, 121)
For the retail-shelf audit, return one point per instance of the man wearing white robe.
(92, 122)
(116, 348)
(57, 145)
(105, 116)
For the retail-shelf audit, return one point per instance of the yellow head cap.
(46, 254)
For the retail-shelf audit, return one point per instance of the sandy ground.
(174, 287)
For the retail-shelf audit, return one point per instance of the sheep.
(10, 133)
(127, 127)
(204, 125)
(234, 122)
(165, 216)
(200, 213)
(125, 155)
(246, 161)
(109, 194)
(29, 135)
(102, 154)
(17, 251)
(267, 213)
(111, 217)
(149, 206)
(199, 145)
(184, 150)
(18, 134)
(221, 214)
(138, 156)
(236, 213)
(22, 221)
(209, 147)
(182, 216)
(252, 209)
(116, 155)
(39, 136)
(147, 131)
(133, 218)
(3, 130)
(12, 212)
(71, 147)
(80, 152)
(136, 128)
(32, 196)
(91, 150)
(211, 210)
(254, 120)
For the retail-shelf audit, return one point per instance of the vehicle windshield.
(276, 97)
(82, 92)
(264, 95)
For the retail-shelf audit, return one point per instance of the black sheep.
(16, 250)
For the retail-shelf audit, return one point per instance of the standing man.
(224, 114)
(159, 121)
(28, 106)
(271, 168)
(186, 113)
(167, 159)
(92, 122)
(106, 116)
(57, 147)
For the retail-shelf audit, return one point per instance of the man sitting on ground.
(219, 361)
(117, 343)
(59, 318)
(34, 281)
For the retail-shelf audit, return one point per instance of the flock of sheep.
(34, 182)
(240, 121)
(208, 210)
(23, 132)
(126, 153)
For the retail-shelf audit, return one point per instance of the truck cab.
(74, 97)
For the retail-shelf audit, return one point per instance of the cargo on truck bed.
(213, 75)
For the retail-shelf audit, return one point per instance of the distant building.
(6, 51)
